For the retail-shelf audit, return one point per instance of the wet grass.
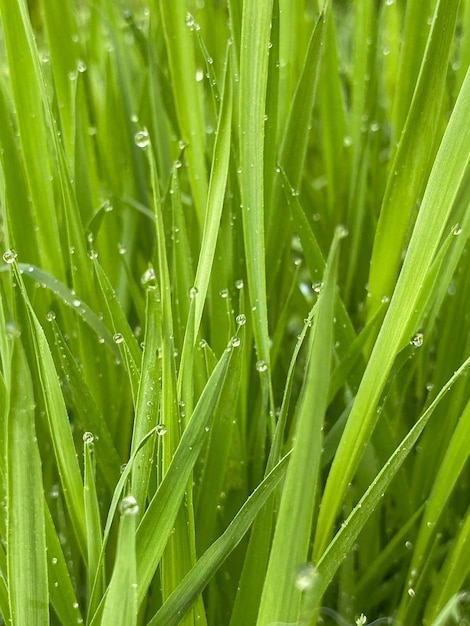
(234, 303)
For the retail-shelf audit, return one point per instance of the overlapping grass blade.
(449, 169)
(193, 584)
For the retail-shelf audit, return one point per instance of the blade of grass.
(193, 584)
(449, 169)
(27, 566)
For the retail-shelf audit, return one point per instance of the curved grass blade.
(450, 168)
(193, 584)
(338, 548)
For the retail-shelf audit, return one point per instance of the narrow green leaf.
(449, 169)
(27, 565)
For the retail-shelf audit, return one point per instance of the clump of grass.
(234, 342)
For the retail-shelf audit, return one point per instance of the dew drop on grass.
(411, 592)
(341, 231)
(235, 342)
(141, 139)
(129, 506)
(148, 276)
(76, 302)
(10, 256)
(317, 286)
(88, 438)
(417, 340)
(223, 293)
(306, 576)
(92, 254)
(50, 316)
(118, 338)
(241, 319)
(193, 292)
(239, 284)
(457, 231)
(408, 545)
(81, 66)
(261, 366)
(122, 248)
(161, 430)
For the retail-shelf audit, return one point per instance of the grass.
(234, 312)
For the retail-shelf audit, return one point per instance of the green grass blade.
(121, 599)
(281, 599)
(27, 564)
(256, 20)
(411, 166)
(182, 598)
(343, 541)
(449, 169)
(163, 508)
(180, 50)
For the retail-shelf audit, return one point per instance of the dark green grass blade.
(210, 561)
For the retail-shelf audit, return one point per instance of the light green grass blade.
(194, 583)
(449, 169)
(58, 422)
(164, 507)
(256, 20)
(27, 565)
(30, 101)
(280, 600)
(92, 514)
(147, 401)
(216, 196)
(180, 50)
(121, 599)
(411, 165)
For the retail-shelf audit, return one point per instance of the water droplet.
(54, 560)
(235, 341)
(193, 292)
(88, 438)
(199, 75)
(161, 430)
(347, 141)
(360, 620)
(239, 284)
(54, 492)
(261, 366)
(317, 286)
(223, 293)
(241, 319)
(191, 22)
(457, 231)
(92, 254)
(306, 576)
(50, 316)
(177, 164)
(384, 299)
(118, 338)
(148, 276)
(408, 545)
(142, 139)
(417, 340)
(129, 506)
(203, 343)
(10, 256)
(341, 231)
(107, 206)
(76, 302)
(81, 66)
(122, 248)
(411, 592)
